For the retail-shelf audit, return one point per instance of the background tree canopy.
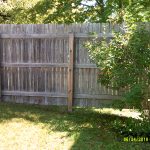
(72, 11)
(124, 62)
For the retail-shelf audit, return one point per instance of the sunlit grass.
(124, 112)
(35, 127)
(21, 134)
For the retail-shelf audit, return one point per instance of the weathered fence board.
(35, 62)
(70, 72)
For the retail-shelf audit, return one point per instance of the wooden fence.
(48, 64)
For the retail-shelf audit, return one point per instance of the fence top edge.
(65, 35)
(64, 29)
(90, 23)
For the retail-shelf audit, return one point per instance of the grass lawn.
(32, 127)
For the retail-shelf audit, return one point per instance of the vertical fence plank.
(1, 58)
(21, 77)
(0, 83)
(70, 71)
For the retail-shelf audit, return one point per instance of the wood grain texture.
(37, 66)
(70, 72)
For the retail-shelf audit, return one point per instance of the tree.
(125, 60)
(14, 11)
(71, 11)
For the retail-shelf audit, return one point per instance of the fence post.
(0, 84)
(0, 69)
(70, 71)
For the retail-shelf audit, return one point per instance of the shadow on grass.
(89, 129)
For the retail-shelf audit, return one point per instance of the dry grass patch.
(20, 134)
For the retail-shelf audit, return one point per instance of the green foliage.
(16, 11)
(131, 10)
(131, 99)
(118, 104)
(131, 127)
(134, 97)
(43, 11)
(125, 60)
(64, 11)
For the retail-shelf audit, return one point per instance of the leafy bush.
(131, 99)
(134, 97)
(132, 127)
(124, 62)
(118, 104)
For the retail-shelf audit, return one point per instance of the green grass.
(35, 127)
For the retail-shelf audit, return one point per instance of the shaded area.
(89, 129)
